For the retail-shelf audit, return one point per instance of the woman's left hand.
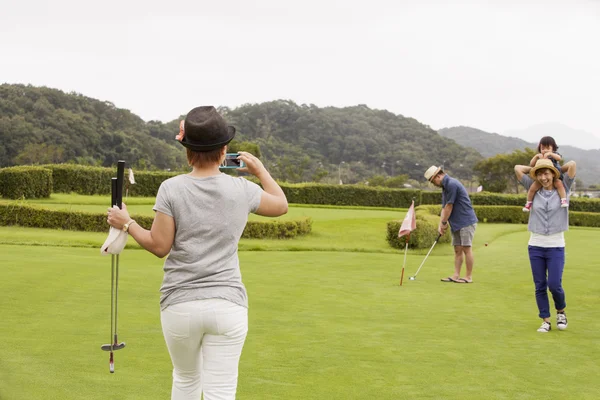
(118, 217)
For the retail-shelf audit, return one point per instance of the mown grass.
(323, 324)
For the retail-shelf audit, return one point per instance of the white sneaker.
(546, 327)
(561, 321)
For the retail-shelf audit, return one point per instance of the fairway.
(323, 324)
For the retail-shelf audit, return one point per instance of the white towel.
(115, 242)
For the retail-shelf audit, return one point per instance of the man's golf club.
(116, 199)
(412, 278)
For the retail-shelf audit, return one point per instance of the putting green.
(323, 324)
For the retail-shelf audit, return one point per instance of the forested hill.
(490, 144)
(370, 141)
(40, 125)
(298, 142)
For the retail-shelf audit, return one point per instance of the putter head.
(412, 278)
(118, 346)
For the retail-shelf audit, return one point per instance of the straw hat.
(542, 164)
(432, 172)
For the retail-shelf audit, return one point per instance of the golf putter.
(116, 199)
(412, 278)
(119, 201)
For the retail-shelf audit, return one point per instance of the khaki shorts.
(464, 236)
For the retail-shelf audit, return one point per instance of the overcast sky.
(494, 65)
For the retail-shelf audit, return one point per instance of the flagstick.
(404, 264)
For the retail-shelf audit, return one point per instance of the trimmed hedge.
(70, 178)
(36, 217)
(277, 229)
(515, 215)
(349, 195)
(584, 219)
(25, 182)
(500, 199)
(431, 197)
(67, 178)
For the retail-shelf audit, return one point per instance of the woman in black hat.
(199, 220)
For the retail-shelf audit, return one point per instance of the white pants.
(205, 340)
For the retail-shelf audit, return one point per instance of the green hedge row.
(500, 199)
(428, 219)
(515, 215)
(36, 217)
(25, 182)
(349, 195)
(67, 178)
(277, 229)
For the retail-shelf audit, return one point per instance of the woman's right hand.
(253, 164)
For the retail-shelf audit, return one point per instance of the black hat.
(204, 130)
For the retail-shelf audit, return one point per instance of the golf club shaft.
(116, 297)
(404, 264)
(112, 291)
(425, 259)
(116, 200)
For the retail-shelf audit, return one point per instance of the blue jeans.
(547, 265)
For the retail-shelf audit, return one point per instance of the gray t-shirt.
(210, 216)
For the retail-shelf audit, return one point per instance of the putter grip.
(113, 191)
(120, 177)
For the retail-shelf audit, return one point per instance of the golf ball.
(412, 278)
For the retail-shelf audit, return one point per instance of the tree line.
(297, 142)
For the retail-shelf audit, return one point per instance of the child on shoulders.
(547, 149)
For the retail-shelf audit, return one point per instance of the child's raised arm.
(555, 156)
(534, 159)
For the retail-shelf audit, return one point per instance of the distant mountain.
(564, 135)
(487, 144)
(490, 144)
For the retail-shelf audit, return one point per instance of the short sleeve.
(568, 181)
(253, 194)
(451, 193)
(163, 203)
(526, 181)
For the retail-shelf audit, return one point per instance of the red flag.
(410, 223)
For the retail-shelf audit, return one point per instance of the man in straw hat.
(457, 211)
(547, 223)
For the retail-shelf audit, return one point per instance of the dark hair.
(547, 141)
(203, 158)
